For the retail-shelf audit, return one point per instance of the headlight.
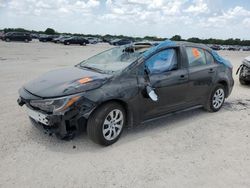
(54, 105)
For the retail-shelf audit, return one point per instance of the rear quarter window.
(209, 58)
(196, 56)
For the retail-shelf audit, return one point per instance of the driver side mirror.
(151, 93)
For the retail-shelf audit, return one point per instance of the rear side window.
(196, 56)
(19, 34)
(209, 58)
(163, 61)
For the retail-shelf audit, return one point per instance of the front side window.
(196, 56)
(163, 61)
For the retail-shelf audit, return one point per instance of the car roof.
(169, 43)
(197, 45)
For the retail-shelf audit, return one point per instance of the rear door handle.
(183, 77)
(211, 71)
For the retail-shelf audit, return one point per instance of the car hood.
(65, 81)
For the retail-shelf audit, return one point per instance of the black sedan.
(76, 40)
(120, 42)
(127, 85)
(47, 38)
(17, 36)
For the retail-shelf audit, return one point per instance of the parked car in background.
(234, 48)
(63, 39)
(246, 48)
(92, 40)
(119, 42)
(1, 35)
(216, 47)
(47, 38)
(76, 40)
(244, 70)
(34, 35)
(60, 39)
(126, 85)
(17, 36)
(224, 47)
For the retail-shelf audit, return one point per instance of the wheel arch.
(225, 84)
(125, 105)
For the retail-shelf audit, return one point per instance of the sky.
(162, 18)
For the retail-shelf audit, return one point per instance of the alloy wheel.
(218, 98)
(113, 124)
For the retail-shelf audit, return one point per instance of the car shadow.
(81, 143)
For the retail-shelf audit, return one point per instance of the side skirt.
(172, 113)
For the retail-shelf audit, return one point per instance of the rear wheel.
(7, 39)
(106, 124)
(26, 40)
(216, 99)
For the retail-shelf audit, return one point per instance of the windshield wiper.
(92, 68)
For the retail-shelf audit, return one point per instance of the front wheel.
(241, 77)
(106, 124)
(216, 99)
(242, 81)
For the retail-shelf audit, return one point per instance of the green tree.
(194, 40)
(176, 38)
(50, 31)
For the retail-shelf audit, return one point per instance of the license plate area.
(37, 116)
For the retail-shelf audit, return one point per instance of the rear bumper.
(230, 88)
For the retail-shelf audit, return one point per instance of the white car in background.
(92, 40)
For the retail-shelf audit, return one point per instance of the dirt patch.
(237, 105)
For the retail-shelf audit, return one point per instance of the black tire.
(67, 137)
(7, 39)
(209, 106)
(26, 40)
(242, 81)
(96, 124)
(241, 78)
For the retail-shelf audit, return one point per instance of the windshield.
(113, 60)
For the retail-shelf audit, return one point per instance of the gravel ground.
(189, 149)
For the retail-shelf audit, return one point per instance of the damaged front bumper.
(244, 71)
(62, 124)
